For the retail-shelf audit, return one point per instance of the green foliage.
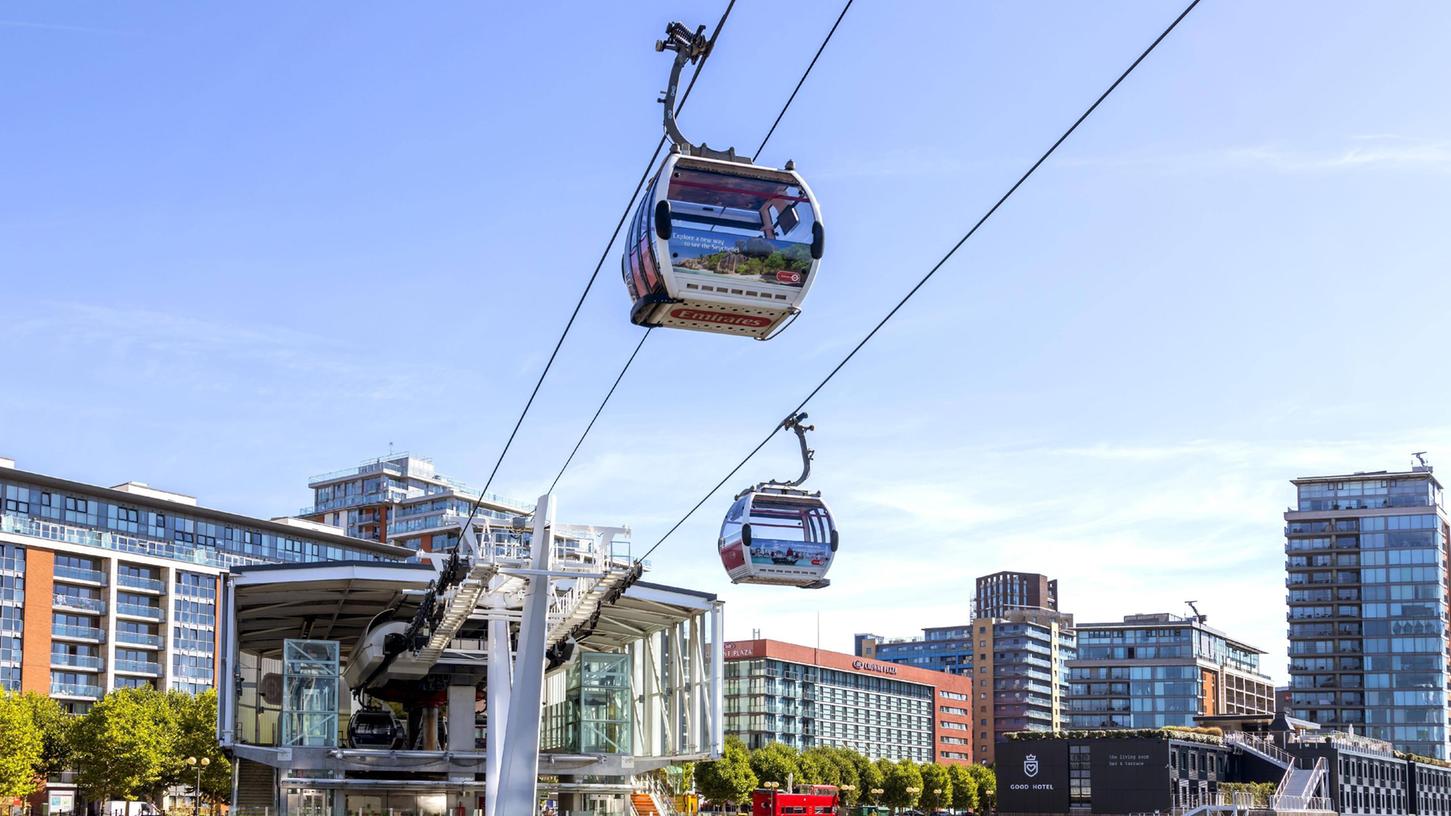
(1424, 760)
(868, 777)
(125, 746)
(22, 747)
(777, 763)
(134, 744)
(964, 787)
(1261, 791)
(935, 778)
(196, 721)
(902, 784)
(1207, 736)
(987, 786)
(55, 727)
(730, 778)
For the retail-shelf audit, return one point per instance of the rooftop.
(1419, 471)
(142, 495)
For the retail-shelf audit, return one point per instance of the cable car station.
(501, 661)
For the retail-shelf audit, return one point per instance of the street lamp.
(936, 797)
(199, 764)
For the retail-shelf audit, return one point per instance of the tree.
(846, 774)
(55, 726)
(730, 778)
(964, 787)
(936, 787)
(817, 768)
(776, 763)
(196, 736)
(884, 768)
(868, 777)
(987, 786)
(21, 750)
(125, 746)
(902, 785)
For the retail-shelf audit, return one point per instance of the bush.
(1208, 736)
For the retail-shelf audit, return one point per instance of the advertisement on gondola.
(790, 553)
(784, 263)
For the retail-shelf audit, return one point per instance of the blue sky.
(242, 245)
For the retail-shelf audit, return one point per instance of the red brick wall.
(35, 637)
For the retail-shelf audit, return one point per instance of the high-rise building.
(1022, 656)
(1366, 564)
(1016, 650)
(1149, 671)
(401, 499)
(112, 587)
(1002, 591)
(806, 697)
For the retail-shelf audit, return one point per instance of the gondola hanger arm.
(688, 48)
(794, 423)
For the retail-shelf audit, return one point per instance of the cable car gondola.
(719, 244)
(375, 728)
(778, 533)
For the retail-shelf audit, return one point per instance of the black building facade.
(1106, 774)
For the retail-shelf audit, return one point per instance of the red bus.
(818, 800)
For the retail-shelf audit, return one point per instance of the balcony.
(79, 575)
(138, 639)
(75, 690)
(154, 613)
(65, 602)
(60, 660)
(139, 583)
(89, 633)
(145, 667)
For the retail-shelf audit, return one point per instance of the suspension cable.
(933, 271)
(624, 216)
(781, 114)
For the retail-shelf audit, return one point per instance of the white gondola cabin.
(778, 535)
(722, 246)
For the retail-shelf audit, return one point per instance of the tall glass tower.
(1366, 570)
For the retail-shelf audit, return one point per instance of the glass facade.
(12, 614)
(595, 715)
(1366, 572)
(1155, 670)
(946, 649)
(310, 685)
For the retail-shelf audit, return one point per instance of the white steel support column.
(717, 678)
(520, 772)
(676, 688)
(497, 706)
(695, 714)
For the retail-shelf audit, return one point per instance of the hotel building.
(806, 697)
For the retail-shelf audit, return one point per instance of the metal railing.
(75, 661)
(62, 600)
(138, 667)
(1355, 742)
(55, 531)
(140, 611)
(1259, 745)
(62, 630)
(1301, 804)
(138, 638)
(74, 573)
(138, 582)
(75, 690)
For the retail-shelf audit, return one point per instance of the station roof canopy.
(339, 600)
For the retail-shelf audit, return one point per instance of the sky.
(241, 245)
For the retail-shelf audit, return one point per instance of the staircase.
(643, 804)
(1262, 748)
(256, 788)
(1301, 791)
